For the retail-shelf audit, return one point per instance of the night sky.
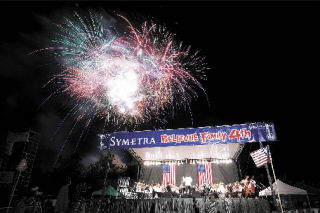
(263, 59)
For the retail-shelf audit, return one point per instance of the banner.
(123, 181)
(241, 133)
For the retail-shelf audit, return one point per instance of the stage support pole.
(13, 191)
(269, 178)
(309, 202)
(104, 183)
(276, 181)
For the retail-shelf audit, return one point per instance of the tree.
(96, 172)
(68, 168)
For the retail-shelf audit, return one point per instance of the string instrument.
(246, 188)
(252, 188)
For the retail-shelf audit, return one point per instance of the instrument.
(246, 189)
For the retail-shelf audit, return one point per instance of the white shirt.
(221, 189)
(252, 184)
(138, 189)
(187, 181)
(156, 189)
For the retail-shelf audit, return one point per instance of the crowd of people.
(239, 189)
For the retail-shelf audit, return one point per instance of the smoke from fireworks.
(129, 77)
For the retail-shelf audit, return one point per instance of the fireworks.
(127, 76)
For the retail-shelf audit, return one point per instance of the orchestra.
(245, 188)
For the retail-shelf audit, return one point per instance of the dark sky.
(263, 59)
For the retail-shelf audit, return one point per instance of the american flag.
(205, 174)
(261, 156)
(169, 174)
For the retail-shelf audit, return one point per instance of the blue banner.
(241, 133)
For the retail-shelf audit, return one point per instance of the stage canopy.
(219, 142)
(187, 148)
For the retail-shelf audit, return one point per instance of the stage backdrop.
(225, 173)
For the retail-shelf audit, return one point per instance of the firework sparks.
(126, 78)
(129, 77)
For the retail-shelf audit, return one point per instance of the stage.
(175, 205)
(206, 155)
(188, 152)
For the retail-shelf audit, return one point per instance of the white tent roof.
(284, 189)
(216, 151)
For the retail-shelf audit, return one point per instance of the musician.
(252, 186)
(236, 190)
(201, 188)
(174, 190)
(181, 188)
(240, 190)
(245, 180)
(221, 190)
(187, 183)
(245, 183)
(206, 189)
(196, 188)
(157, 188)
(163, 188)
(214, 190)
(229, 189)
(148, 189)
(138, 187)
(168, 188)
(139, 190)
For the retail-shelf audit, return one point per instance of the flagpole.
(274, 175)
(268, 174)
(270, 180)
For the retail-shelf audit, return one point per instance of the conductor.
(187, 183)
